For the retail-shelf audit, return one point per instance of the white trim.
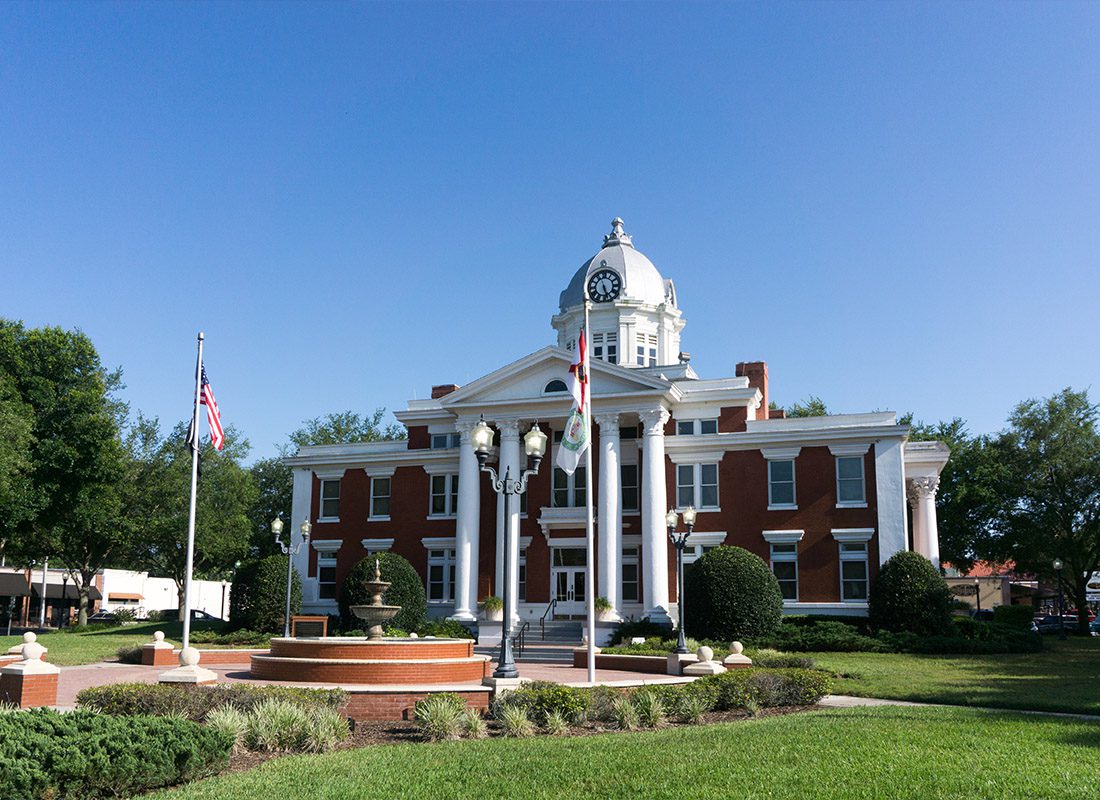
(854, 449)
(853, 534)
(706, 539)
(573, 541)
(372, 517)
(631, 540)
(382, 470)
(326, 545)
(376, 545)
(330, 474)
(780, 453)
(793, 505)
(851, 505)
(438, 542)
(695, 456)
(441, 468)
(783, 537)
(852, 607)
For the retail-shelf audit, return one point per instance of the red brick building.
(821, 499)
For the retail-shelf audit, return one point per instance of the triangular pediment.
(526, 379)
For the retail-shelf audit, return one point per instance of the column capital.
(922, 489)
(653, 421)
(608, 422)
(465, 426)
(509, 428)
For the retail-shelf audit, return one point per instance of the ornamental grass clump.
(327, 729)
(516, 722)
(625, 714)
(441, 717)
(556, 723)
(277, 726)
(231, 721)
(473, 725)
(650, 708)
(691, 708)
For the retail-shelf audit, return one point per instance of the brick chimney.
(443, 389)
(757, 373)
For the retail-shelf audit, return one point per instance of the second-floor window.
(567, 490)
(605, 346)
(444, 441)
(689, 427)
(781, 484)
(697, 485)
(850, 488)
(330, 498)
(647, 349)
(380, 497)
(444, 495)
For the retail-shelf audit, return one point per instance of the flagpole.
(590, 594)
(195, 444)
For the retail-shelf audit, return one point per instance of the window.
(380, 497)
(629, 573)
(853, 571)
(555, 386)
(849, 481)
(689, 427)
(330, 499)
(441, 575)
(568, 490)
(647, 350)
(785, 569)
(523, 575)
(629, 485)
(326, 575)
(605, 346)
(781, 484)
(445, 441)
(697, 485)
(444, 495)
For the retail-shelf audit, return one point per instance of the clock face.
(604, 285)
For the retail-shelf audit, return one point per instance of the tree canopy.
(343, 427)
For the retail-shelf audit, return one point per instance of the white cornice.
(695, 455)
(376, 545)
(327, 545)
(780, 453)
(850, 449)
(438, 542)
(783, 537)
(441, 468)
(853, 534)
(330, 474)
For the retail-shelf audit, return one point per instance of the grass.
(846, 754)
(1064, 677)
(72, 648)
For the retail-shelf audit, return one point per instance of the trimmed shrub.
(1013, 616)
(196, 702)
(238, 638)
(765, 688)
(909, 594)
(629, 629)
(81, 754)
(129, 654)
(406, 590)
(541, 698)
(444, 629)
(441, 716)
(258, 598)
(731, 594)
(773, 659)
(827, 636)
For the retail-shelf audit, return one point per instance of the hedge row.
(966, 636)
(196, 702)
(83, 755)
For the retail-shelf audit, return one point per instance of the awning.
(53, 591)
(113, 596)
(13, 584)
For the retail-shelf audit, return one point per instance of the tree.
(812, 406)
(909, 594)
(258, 599)
(1051, 486)
(731, 594)
(406, 590)
(16, 487)
(274, 484)
(159, 499)
(68, 505)
(341, 428)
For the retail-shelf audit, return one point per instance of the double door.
(568, 581)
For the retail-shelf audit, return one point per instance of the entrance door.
(567, 580)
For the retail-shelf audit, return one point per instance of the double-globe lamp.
(679, 540)
(289, 552)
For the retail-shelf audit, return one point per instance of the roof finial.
(617, 235)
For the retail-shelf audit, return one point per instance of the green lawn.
(1065, 677)
(67, 649)
(886, 752)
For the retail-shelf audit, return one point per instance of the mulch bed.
(368, 734)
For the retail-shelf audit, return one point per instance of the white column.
(654, 506)
(610, 511)
(928, 532)
(919, 545)
(300, 502)
(467, 526)
(890, 498)
(510, 461)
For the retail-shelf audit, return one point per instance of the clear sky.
(896, 206)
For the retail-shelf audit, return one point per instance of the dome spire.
(617, 235)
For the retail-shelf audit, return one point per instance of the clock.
(604, 285)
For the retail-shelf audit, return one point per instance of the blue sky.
(895, 205)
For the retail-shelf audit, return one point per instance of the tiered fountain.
(374, 659)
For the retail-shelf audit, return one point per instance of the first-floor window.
(853, 570)
(380, 497)
(629, 486)
(697, 485)
(326, 576)
(630, 587)
(330, 498)
(444, 495)
(441, 575)
(785, 569)
(523, 575)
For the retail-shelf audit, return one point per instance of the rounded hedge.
(407, 591)
(910, 595)
(731, 594)
(258, 599)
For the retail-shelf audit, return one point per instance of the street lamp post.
(289, 550)
(978, 596)
(679, 540)
(64, 600)
(534, 443)
(1058, 565)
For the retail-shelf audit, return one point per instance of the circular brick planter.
(371, 661)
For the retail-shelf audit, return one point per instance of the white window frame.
(772, 482)
(446, 441)
(373, 546)
(697, 486)
(446, 546)
(631, 556)
(450, 495)
(574, 484)
(853, 537)
(850, 451)
(694, 427)
(321, 515)
(605, 347)
(521, 572)
(375, 517)
(326, 550)
(785, 539)
(635, 509)
(701, 542)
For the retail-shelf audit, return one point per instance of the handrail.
(521, 638)
(542, 620)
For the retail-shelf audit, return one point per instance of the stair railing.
(542, 620)
(520, 638)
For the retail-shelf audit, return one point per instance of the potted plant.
(493, 608)
(604, 610)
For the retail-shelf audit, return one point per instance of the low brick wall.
(398, 705)
(654, 665)
(208, 657)
(456, 670)
(383, 650)
(29, 691)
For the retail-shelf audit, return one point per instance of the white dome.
(642, 282)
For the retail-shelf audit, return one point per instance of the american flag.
(213, 418)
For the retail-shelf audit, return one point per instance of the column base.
(463, 616)
(659, 616)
